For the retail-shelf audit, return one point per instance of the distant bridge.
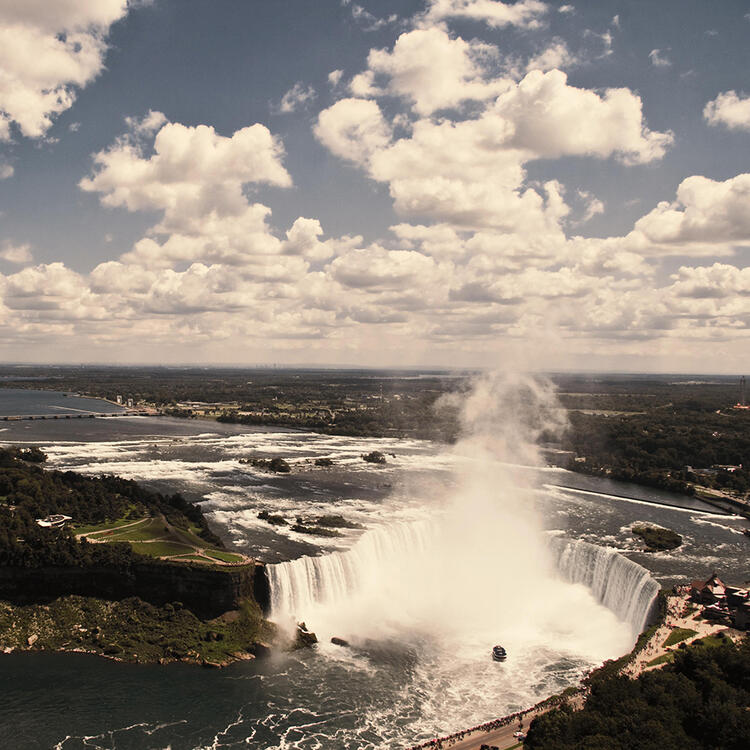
(83, 415)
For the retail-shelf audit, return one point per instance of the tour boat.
(498, 653)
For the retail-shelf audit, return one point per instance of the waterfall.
(621, 585)
(299, 586)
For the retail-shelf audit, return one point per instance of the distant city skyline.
(422, 183)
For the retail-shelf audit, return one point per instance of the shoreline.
(674, 615)
(163, 661)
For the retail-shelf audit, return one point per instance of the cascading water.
(436, 594)
(624, 587)
(301, 587)
(479, 566)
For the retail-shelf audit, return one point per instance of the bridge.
(82, 415)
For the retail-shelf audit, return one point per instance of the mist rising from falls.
(478, 570)
(309, 586)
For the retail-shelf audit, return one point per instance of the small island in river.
(656, 538)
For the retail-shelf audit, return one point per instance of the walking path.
(174, 536)
(681, 613)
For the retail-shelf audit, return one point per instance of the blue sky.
(460, 182)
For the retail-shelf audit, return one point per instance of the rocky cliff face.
(206, 591)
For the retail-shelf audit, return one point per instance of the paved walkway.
(678, 616)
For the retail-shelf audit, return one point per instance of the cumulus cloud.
(556, 55)
(550, 118)
(353, 129)
(729, 109)
(708, 217)
(432, 70)
(379, 268)
(471, 171)
(192, 171)
(495, 13)
(6, 170)
(334, 77)
(47, 52)
(718, 281)
(16, 253)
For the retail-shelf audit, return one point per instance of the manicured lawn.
(161, 549)
(711, 640)
(679, 634)
(663, 659)
(152, 529)
(102, 526)
(223, 556)
(193, 558)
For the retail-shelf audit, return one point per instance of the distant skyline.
(418, 183)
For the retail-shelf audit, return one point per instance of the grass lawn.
(223, 556)
(154, 528)
(161, 549)
(663, 659)
(101, 526)
(679, 634)
(711, 640)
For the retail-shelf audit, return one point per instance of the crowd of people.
(441, 743)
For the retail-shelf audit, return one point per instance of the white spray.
(478, 570)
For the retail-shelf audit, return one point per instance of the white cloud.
(718, 281)
(298, 96)
(150, 123)
(433, 71)
(496, 14)
(566, 9)
(658, 59)
(556, 55)
(592, 206)
(47, 52)
(471, 172)
(192, 171)
(729, 109)
(378, 268)
(334, 78)
(551, 119)
(708, 217)
(6, 170)
(353, 129)
(16, 253)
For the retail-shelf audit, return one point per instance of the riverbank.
(144, 579)
(134, 631)
(676, 618)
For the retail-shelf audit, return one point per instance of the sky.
(465, 183)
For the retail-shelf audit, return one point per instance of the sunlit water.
(413, 671)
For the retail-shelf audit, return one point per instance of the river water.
(420, 672)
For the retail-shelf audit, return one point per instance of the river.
(413, 671)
